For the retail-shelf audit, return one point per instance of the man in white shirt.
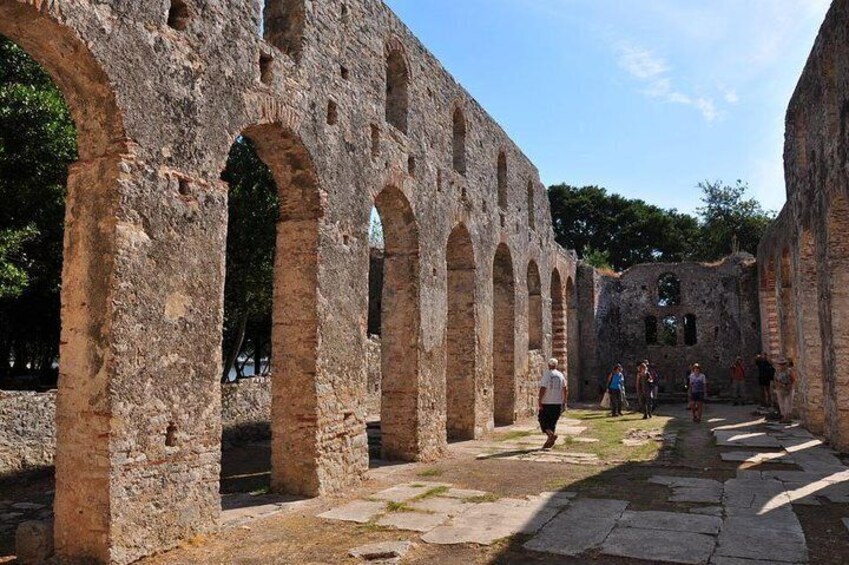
(552, 401)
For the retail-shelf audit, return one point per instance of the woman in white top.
(698, 391)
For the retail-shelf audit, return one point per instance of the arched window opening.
(669, 331)
(668, 290)
(283, 23)
(459, 143)
(502, 180)
(503, 338)
(534, 307)
(397, 86)
(651, 330)
(531, 208)
(690, 330)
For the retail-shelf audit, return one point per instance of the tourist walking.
(784, 384)
(552, 401)
(646, 390)
(616, 389)
(766, 372)
(698, 391)
(738, 381)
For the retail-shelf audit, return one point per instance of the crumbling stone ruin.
(350, 112)
(804, 259)
(674, 315)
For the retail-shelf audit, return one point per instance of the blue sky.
(643, 97)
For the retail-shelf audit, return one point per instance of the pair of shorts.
(548, 416)
(697, 396)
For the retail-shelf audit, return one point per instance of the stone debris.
(385, 553)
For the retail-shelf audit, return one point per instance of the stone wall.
(27, 431)
(27, 422)
(349, 110)
(720, 300)
(804, 258)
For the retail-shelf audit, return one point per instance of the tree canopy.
(609, 230)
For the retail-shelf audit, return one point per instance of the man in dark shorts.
(766, 372)
(552, 401)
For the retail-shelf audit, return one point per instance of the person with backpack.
(697, 382)
(766, 372)
(646, 389)
(552, 401)
(616, 389)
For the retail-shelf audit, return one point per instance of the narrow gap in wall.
(266, 71)
(332, 113)
(411, 165)
(375, 141)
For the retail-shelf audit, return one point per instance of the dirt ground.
(298, 536)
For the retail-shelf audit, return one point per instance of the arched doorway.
(460, 336)
(504, 336)
(399, 327)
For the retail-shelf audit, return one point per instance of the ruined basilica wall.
(722, 297)
(159, 91)
(804, 258)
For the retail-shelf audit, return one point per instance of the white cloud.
(730, 96)
(652, 70)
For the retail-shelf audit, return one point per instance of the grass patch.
(432, 472)
(514, 435)
(399, 507)
(481, 498)
(611, 431)
(435, 491)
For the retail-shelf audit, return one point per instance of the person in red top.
(738, 381)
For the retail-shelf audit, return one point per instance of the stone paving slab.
(489, 522)
(670, 521)
(698, 495)
(720, 560)
(757, 458)
(659, 546)
(707, 510)
(557, 499)
(412, 521)
(568, 533)
(360, 511)
(739, 540)
(406, 492)
(781, 520)
(440, 505)
(692, 482)
(463, 493)
(732, 438)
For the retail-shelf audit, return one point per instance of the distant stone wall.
(27, 433)
(718, 302)
(27, 422)
(374, 376)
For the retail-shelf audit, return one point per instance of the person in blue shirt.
(616, 388)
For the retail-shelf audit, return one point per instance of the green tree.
(729, 220)
(624, 231)
(253, 209)
(37, 143)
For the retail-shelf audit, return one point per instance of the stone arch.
(294, 336)
(502, 180)
(460, 335)
(400, 327)
(397, 86)
(769, 309)
(459, 140)
(84, 430)
(504, 336)
(534, 307)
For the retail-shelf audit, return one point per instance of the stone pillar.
(138, 407)
(809, 362)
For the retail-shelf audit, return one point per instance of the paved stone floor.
(734, 490)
